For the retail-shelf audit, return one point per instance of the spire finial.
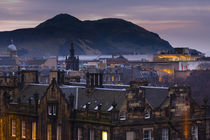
(72, 49)
(12, 41)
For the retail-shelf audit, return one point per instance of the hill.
(105, 36)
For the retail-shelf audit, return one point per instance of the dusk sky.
(184, 23)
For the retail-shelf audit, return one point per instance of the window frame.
(34, 128)
(59, 132)
(23, 129)
(122, 116)
(165, 134)
(91, 134)
(194, 132)
(104, 135)
(150, 134)
(79, 133)
(52, 109)
(49, 131)
(130, 132)
(13, 128)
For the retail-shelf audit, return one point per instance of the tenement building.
(97, 112)
(72, 62)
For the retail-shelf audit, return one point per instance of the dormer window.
(147, 114)
(122, 115)
(110, 108)
(52, 110)
(96, 108)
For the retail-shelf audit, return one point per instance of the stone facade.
(66, 112)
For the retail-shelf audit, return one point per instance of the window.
(79, 134)
(104, 135)
(122, 115)
(92, 134)
(119, 78)
(194, 132)
(1, 128)
(58, 132)
(147, 114)
(165, 134)
(130, 135)
(49, 132)
(112, 78)
(52, 110)
(147, 134)
(13, 128)
(33, 130)
(23, 130)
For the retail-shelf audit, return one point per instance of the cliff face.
(105, 36)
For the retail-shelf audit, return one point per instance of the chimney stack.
(58, 75)
(94, 80)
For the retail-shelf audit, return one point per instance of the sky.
(184, 23)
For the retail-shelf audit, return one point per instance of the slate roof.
(103, 96)
(29, 91)
(98, 96)
(155, 95)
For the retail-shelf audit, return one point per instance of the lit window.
(130, 135)
(147, 114)
(13, 128)
(112, 78)
(194, 132)
(58, 132)
(92, 134)
(1, 128)
(147, 134)
(79, 134)
(49, 132)
(104, 135)
(23, 131)
(165, 134)
(34, 131)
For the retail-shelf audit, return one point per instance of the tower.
(72, 62)
(72, 50)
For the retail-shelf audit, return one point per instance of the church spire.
(72, 50)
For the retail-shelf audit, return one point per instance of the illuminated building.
(96, 112)
(174, 57)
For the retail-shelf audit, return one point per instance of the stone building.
(72, 62)
(96, 112)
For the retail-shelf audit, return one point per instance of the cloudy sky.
(184, 23)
